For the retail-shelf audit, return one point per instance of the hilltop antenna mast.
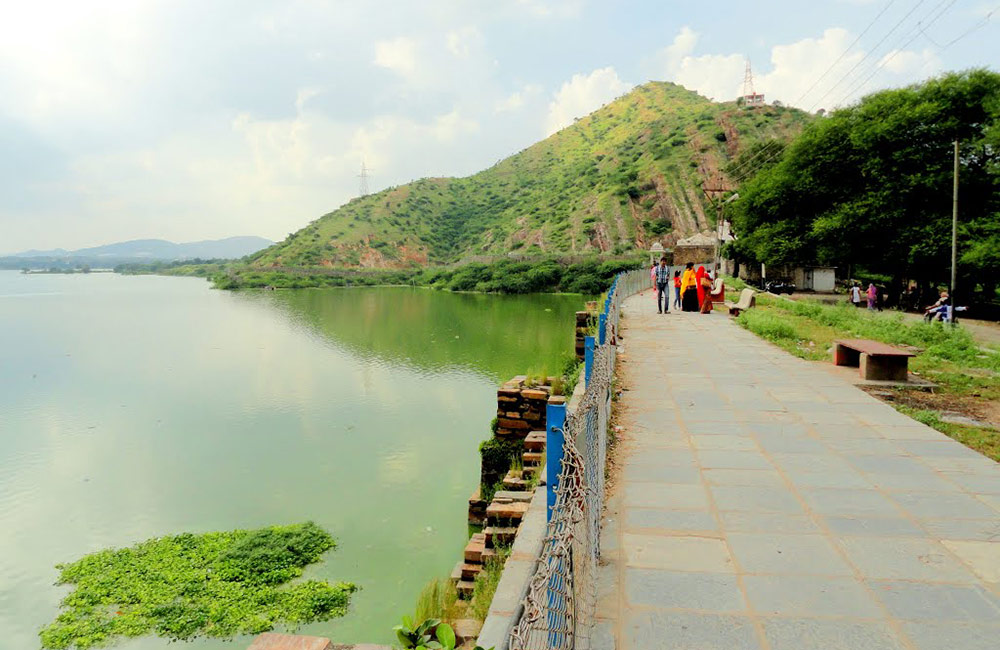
(363, 189)
(750, 96)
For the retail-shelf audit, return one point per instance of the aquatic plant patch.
(184, 586)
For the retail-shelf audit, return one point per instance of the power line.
(745, 164)
(919, 29)
(868, 54)
(931, 17)
(978, 25)
(844, 53)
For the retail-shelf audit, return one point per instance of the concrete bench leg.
(883, 368)
(845, 356)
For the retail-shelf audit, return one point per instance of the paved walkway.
(765, 503)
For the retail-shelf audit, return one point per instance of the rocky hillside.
(625, 176)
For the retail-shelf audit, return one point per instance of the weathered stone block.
(500, 535)
(274, 641)
(508, 510)
(474, 549)
(466, 629)
(513, 425)
(535, 441)
(470, 571)
(532, 458)
(534, 394)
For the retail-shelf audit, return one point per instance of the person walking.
(677, 289)
(662, 276)
(689, 289)
(706, 293)
(872, 296)
(856, 295)
(652, 282)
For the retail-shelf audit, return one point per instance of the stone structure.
(699, 249)
(521, 408)
(656, 251)
(274, 641)
(520, 417)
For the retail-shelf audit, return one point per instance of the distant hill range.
(624, 177)
(137, 250)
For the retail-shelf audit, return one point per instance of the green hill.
(624, 176)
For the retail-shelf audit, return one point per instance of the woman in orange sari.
(705, 290)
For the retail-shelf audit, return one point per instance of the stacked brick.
(521, 408)
(521, 417)
(584, 321)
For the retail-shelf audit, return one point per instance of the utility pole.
(954, 234)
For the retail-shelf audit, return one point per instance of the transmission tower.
(364, 179)
(750, 96)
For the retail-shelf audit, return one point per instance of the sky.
(189, 120)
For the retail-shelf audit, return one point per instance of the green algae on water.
(184, 586)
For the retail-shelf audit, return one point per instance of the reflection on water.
(140, 406)
(435, 330)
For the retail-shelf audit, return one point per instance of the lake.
(139, 406)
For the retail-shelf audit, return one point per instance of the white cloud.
(518, 98)
(809, 73)
(582, 95)
(398, 54)
(462, 42)
(903, 61)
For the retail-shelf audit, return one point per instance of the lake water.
(132, 407)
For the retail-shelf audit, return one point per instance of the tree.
(871, 185)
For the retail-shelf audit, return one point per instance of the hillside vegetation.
(625, 176)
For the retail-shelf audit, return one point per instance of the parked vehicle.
(779, 286)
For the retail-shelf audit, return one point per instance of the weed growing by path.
(185, 586)
(486, 584)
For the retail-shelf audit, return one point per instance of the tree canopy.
(871, 185)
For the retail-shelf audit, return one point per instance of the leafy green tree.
(871, 185)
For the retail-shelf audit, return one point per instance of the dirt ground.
(971, 406)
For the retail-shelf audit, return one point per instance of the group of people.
(692, 289)
(872, 295)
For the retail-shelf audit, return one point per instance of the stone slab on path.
(765, 503)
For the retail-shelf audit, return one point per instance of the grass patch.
(436, 600)
(486, 584)
(186, 586)
(985, 440)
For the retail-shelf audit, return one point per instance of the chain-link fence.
(558, 609)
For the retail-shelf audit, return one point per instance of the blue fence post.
(602, 327)
(588, 358)
(555, 419)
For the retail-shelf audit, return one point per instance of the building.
(699, 249)
(814, 278)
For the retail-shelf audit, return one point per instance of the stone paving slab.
(765, 503)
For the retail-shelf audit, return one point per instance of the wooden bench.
(874, 360)
(748, 298)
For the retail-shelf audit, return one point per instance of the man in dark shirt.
(663, 287)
